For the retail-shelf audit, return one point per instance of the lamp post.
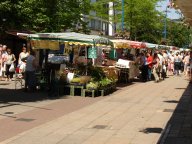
(123, 13)
(165, 25)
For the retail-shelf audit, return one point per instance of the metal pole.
(123, 13)
(165, 25)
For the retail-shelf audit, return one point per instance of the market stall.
(125, 56)
(71, 60)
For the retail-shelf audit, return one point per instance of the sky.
(172, 13)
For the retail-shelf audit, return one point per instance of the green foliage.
(178, 34)
(44, 15)
(105, 82)
(92, 85)
(96, 73)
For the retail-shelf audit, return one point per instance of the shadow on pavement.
(11, 95)
(171, 101)
(122, 85)
(152, 130)
(179, 128)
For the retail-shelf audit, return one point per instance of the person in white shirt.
(177, 63)
(9, 61)
(22, 59)
(23, 55)
(186, 63)
(4, 55)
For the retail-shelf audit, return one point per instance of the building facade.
(98, 25)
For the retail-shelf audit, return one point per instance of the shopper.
(30, 79)
(144, 67)
(23, 55)
(186, 63)
(150, 65)
(3, 60)
(22, 59)
(177, 63)
(171, 64)
(155, 67)
(10, 59)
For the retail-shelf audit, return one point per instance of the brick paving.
(179, 127)
(137, 114)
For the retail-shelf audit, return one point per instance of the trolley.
(19, 79)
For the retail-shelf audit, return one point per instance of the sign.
(67, 49)
(92, 52)
(44, 44)
(113, 54)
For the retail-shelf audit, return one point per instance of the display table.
(93, 92)
(72, 88)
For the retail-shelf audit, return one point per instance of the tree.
(178, 34)
(140, 17)
(44, 15)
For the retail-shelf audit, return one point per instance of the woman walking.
(9, 61)
(155, 67)
(177, 64)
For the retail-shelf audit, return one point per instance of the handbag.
(12, 68)
(3, 67)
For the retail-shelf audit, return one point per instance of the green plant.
(105, 82)
(76, 80)
(96, 73)
(92, 85)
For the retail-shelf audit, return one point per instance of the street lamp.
(165, 25)
(123, 13)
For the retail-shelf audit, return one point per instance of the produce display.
(111, 73)
(81, 80)
(92, 85)
(57, 59)
(76, 80)
(98, 79)
(105, 82)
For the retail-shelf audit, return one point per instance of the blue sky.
(172, 13)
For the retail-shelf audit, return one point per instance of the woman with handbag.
(155, 63)
(9, 64)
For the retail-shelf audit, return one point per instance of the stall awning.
(138, 45)
(118, 43)
(150, 45)
(128, 44)
(44, 40)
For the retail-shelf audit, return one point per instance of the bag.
(22, 67)
(1, 73)
(3, 68)
(12, 68)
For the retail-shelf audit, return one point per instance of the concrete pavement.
(136, 114)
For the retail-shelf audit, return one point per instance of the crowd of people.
(26, 65)
(163, 63)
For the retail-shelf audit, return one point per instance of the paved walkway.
(137, 114)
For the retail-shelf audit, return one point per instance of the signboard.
(92, 52)
(44, 44)
(67, 49)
